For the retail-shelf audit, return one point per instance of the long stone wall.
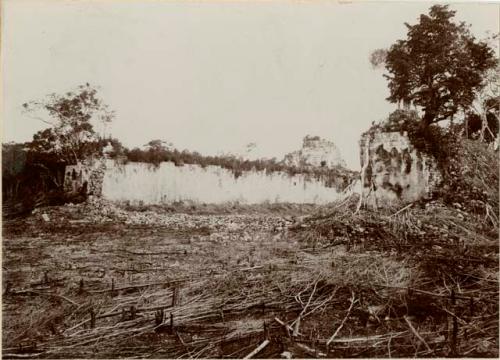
(167, 183)
(393, 171)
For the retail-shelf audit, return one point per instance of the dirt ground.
(101, 266)
(98, 281)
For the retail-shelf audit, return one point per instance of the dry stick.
(183, 344)
(257, 349)
(175, 296)
(321, 304)
(173, 252)
(433, 294)
(172, 282)
(369, 338)
(347, 198)
(296, 327)
(288, 327)
(401, 210)
(463, 322)
(310, 298)
(389, 347)
(22, 356)
(455, 326)
(120, 312)
(199, 353)
(353, 301)
(414, 331)
(310, 351)
(32, 292)
(108, 336)
(297, 321)
(92, 333)
(232, 355)
(298, 298)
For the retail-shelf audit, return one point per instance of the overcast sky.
(212, 76)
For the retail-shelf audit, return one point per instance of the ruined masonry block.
(90, 173)
(396, 171)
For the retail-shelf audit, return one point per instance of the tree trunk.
(427, 119)
(363, 173)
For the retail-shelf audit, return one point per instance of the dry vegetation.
(98, 280)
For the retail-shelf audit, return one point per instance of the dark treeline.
(33, 177)
(154, 153)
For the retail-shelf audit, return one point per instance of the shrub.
(157, 155)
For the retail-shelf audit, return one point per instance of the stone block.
(394, 172)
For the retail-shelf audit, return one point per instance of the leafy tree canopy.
(439, 66)
(71, 136)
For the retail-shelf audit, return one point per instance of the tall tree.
(71, 136)
(486, 108)
(439, 66)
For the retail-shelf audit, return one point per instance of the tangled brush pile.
(450, 244)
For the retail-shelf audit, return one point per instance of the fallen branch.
(21, 356)
(310, 351)
(173, 252)
(257, 349)
(415, 332)
(296, 327)
(463, 322)
(296, 322)
(462, 297)
(353, 301)
(321, 304)
(366, 338)
(120, 312)
(309, 300)
(167, 283)
(401, 210)
(288, 327)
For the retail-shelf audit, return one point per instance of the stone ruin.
(84, 178)
(315, 152)
(393, 171)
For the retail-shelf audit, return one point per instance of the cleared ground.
(96, 280)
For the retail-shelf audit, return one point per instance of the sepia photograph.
(252, 179)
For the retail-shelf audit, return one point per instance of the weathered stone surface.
(393, 171)
(141, 183)
(167, 183)
(315, 152)
(89, 174)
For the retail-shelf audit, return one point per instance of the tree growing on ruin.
(439, 67)
(71, 136)
(485, 108)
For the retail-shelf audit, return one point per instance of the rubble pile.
(97, 210)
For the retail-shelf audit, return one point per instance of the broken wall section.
(87, 176)
(393, 171)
